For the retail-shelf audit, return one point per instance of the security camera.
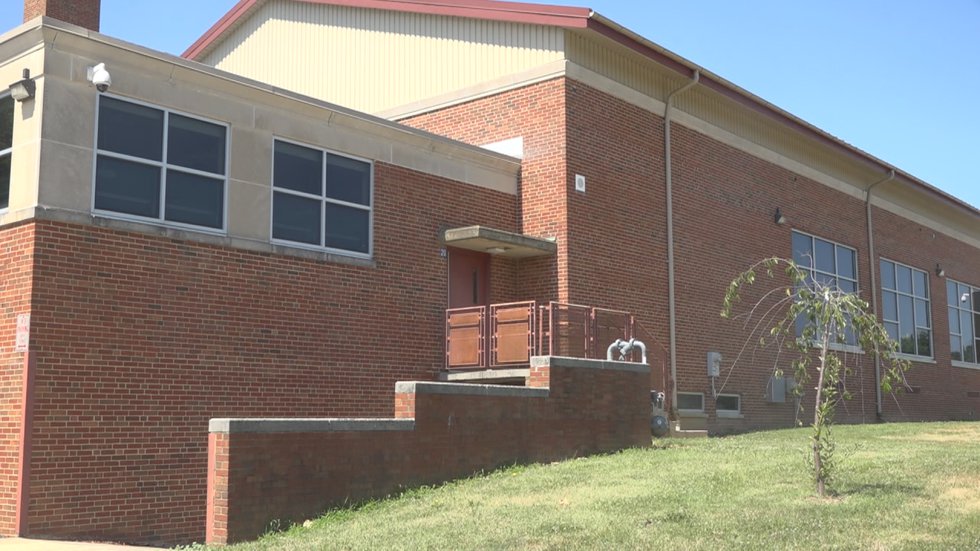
(99, 76)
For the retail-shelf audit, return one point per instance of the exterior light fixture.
(23, 89)
(940, 271)
(780, 218)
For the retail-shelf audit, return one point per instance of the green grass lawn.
(899, 486)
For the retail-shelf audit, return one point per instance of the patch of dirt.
(964, 493)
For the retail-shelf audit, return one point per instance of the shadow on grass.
(879, 489)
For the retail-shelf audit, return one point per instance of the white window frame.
(9, 152)
(812, 269)
(898, 293)
(698, 394)
(737, 412)
(975, 364)
(164, 166)
(323, 199)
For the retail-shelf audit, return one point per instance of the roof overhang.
(499, 242)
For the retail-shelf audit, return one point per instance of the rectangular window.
(6, 147)
(321, 199)
(905, 308)
(155, 164)
(729, 405)
(690, 401)
(829, 264)
(963, 303)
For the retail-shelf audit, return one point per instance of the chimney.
(84, 13)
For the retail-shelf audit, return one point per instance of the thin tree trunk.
(818, 418)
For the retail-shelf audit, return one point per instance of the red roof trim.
(219, 28)
(511, 12)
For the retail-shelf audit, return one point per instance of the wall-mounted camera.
(99, 76)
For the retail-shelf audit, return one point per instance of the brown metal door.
(469, 278)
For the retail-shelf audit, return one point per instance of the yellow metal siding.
(372, 60)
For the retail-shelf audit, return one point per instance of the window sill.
(848, 348)
(916, 359)
(729, 415)
(965, 365)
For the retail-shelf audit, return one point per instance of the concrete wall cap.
(244, 425)
(562, 361)
(420, 387)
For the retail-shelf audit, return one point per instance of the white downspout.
(671, 302)
(874, 281)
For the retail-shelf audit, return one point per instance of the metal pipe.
(624, 348)
(671, 299)
(612, 347)
(874, 281)
(643, 349)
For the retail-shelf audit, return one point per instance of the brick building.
(205, 239)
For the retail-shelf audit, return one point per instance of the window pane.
(887, 274)
(976, 300)
(845, 263)
(6, 123)
(904, 276)
(892, 329)
(906, 329)
(889, 306)
(347, 228)
(727, 403)
(130, 129)
(196, 144)
(193, 199)
(348, 180)
(954, 320)
(847, 286)
(961, 291)
(802, 249)
(955, 348)
(920, 285)
(966, 326)
(690, 401)
(127, 187)
(951, 297)
(296, 218)
(924, 343)
(922, 313)
(298, 168)
(823, 258)
(4, 181)
(969, 352)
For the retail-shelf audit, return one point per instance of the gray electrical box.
(714, 364)
(776, 390)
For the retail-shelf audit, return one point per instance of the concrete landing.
(25, 544)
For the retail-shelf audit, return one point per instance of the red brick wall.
(942, 390)
(140, 340)
(84, 13)
(537, 113)
(292, 476)
(16, 250)
(612, 252)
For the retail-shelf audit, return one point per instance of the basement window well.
(728, 405)
(690, 402)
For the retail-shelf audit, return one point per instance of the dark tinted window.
(6, 123)
(348, 180)
(127, 187)
(130, 129)
(296, 218)
(193, 199)
(298, 168)
(727, 403)
(196, 144)
(347, 228)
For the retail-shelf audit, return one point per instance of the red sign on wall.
(23, 333)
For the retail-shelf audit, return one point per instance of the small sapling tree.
(810, 315)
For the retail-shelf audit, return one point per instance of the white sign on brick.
(23, 333)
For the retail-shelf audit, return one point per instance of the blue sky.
(899, 79)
